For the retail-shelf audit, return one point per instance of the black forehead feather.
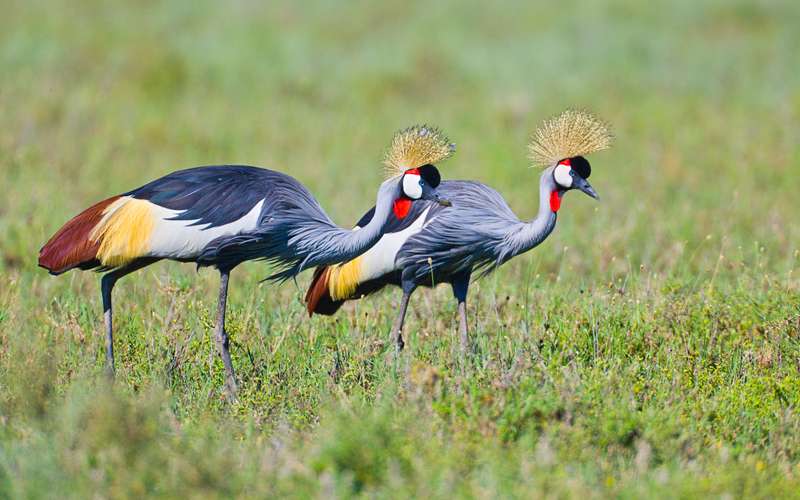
(581, 166)
(430, 174)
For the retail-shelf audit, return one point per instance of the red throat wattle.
(555, 201)
(401, 207)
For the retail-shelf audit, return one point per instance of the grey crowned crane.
(224, 215)
(428, 246)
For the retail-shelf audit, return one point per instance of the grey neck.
(336, 244)
(530, 234)
(354, 243)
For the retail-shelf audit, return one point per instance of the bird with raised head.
(427, 246)
(224, 215)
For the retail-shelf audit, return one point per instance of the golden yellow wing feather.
(124, 231)
(343, 279)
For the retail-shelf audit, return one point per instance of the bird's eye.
(421, 182)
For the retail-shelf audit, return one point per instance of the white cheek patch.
(411, 187)
(562, 177)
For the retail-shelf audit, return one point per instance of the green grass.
(649, 347)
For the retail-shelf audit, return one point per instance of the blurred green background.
(649, 346)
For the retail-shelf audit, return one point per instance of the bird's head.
(411, 158)
(421, 183)
(560, 143)
(571, 173)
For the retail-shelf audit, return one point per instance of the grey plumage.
(479, 233)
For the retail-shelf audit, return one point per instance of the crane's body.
(224, 215)
(174, 217)
(429, 246)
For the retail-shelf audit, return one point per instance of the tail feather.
(71, 247)
(320, 301)
(318, 297)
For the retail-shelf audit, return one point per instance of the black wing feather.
(213, 196)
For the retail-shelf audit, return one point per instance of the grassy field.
(651, 346)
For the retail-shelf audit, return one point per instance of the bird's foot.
(231, 390)
(394, 350)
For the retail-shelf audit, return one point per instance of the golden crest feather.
(572, 133)
(414, 147)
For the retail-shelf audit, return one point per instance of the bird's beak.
(443, 202)
(579, 182)
(432, 195)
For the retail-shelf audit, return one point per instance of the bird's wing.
(200, 207)
(467, 237)
(211, 196)
(291, 225)
(173, 217)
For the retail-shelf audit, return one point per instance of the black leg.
(460, 287)
(106, 286)
(397, 329)
(221, 336)
(107, 283)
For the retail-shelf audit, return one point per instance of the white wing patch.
(178, 239)
(379, 259)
